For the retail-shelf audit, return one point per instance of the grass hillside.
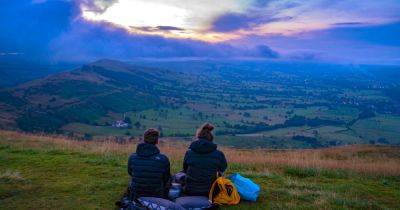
(42, 172)
(261, 104)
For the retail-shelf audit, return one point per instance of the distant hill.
(84, 94)
(252, 103)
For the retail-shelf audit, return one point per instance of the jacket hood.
(146, 150)
(203, 146)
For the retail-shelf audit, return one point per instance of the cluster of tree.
(365, 114)
(309, 141)
(301, 121)
(247, 107)
(261, 126)
(179, 135)
(127, 120)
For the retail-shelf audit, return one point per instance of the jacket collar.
(146, 150)
(203, 146)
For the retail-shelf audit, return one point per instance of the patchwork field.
(44, 172)
(252, 104)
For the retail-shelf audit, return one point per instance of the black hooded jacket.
(150, 172)
(201, 163)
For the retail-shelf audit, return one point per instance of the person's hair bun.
(208, 127)
(205, 132)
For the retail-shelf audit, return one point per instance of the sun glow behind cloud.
(141, 14)
(171, 18)
(197, 19)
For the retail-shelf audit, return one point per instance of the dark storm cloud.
(88, 41)
(158, 28)
(348, 24)
(169, 28)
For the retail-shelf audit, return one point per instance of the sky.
(349, 31)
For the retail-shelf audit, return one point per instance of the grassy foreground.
(40, 172)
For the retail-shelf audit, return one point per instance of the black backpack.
(129, 201)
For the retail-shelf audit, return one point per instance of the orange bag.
(223, 191)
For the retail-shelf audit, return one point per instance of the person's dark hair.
(205, 132)
(151, 135)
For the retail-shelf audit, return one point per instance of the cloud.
(89, 41)
(267, 52)
(288, 17)
(54, 31)
(234, 21)
(305, 55)
(96, 6)
(193, 17)
(10, 53)
(380, 34)
(27, 26)
(348, 24)
(156, 29)
(169, 28)
(348, 43)
(231, 22)
(60, 31)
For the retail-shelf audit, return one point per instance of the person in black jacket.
(202, 162)
(150, 170)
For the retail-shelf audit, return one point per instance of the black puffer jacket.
(150, 171)
(201, 163)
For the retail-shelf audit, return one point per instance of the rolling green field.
(277, 105)
(48, 173)
(180, 122)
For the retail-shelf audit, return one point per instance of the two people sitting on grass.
(150, 170)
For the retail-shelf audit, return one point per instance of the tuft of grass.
(11, 176)
(301, 172)
(312, 172)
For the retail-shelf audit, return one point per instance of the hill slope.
(39, 172)
(85, 94)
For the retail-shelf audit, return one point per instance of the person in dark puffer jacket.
(202, 162)
(150, 170)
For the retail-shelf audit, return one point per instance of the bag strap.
(210, 194)
(213, 186)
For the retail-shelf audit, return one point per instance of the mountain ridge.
(79, 86)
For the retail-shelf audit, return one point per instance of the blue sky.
(347, 31)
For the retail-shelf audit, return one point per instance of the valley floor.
(42, 172)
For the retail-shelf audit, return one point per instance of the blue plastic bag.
(248, 190)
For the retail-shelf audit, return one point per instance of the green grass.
(48, 177)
